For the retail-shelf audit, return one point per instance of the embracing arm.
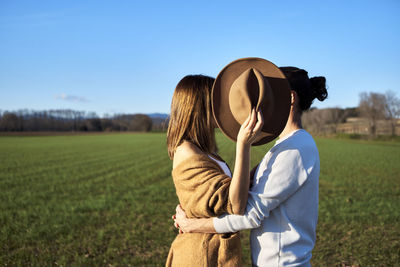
(224, 224)
(186, 225)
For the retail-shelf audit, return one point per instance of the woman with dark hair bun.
(282, 206)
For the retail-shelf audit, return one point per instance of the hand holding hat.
(251, 128)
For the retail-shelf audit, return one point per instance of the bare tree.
(392, 108)
(10, 122)
(140, 122)
(313, 120)
(332, 117)
(372, 106)
(93, 124)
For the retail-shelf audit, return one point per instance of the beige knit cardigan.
(203, 191)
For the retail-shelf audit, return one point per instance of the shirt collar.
(280, 140)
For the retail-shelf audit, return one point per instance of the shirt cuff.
(221, 224)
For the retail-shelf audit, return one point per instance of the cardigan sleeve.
(202, 187)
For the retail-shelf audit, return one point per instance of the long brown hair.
(191, 116)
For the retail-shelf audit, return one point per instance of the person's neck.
(293, 124)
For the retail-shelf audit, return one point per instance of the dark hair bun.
(307, 89)
(318, 88)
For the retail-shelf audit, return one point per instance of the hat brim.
(281, 98)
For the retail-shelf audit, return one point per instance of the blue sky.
(127, 56)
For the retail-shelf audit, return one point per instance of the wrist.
(243, 146)
(187, 225)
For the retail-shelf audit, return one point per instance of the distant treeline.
(376, 114)
(72, 120)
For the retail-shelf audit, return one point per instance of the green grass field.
(106, 200)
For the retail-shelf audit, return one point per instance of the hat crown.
(250, 90)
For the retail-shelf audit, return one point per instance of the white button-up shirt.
(282, 208)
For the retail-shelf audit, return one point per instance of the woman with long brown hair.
(202, 179)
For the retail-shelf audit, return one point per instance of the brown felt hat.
(249, 83)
